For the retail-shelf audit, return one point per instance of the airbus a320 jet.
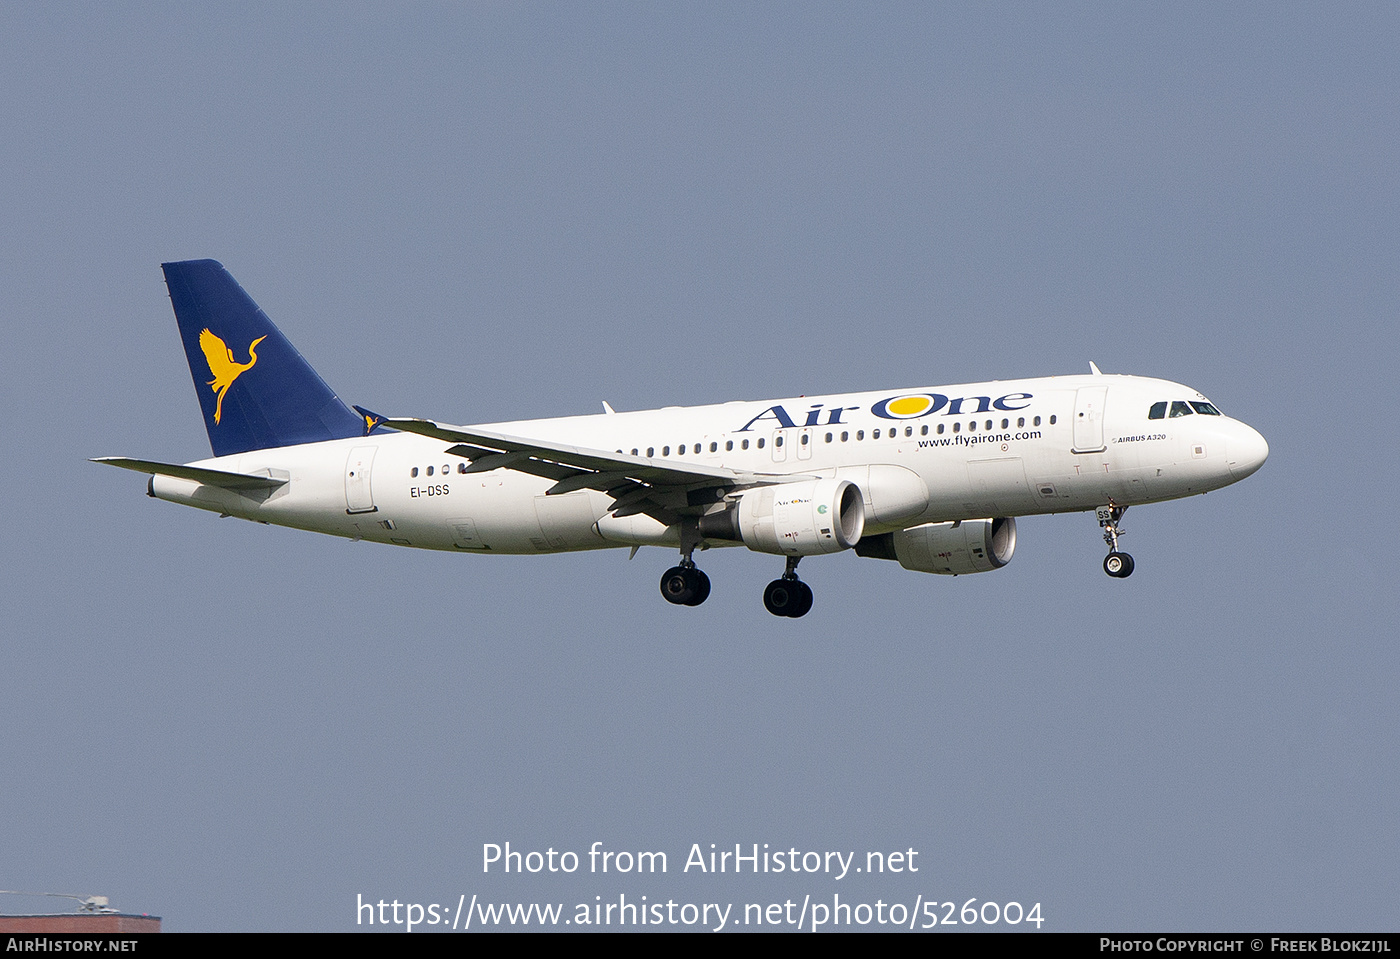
(931, 478)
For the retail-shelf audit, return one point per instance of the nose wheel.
(1117, 564)
(788, 596)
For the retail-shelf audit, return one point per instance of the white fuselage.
(1005, 448)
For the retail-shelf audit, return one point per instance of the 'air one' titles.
(906, 406)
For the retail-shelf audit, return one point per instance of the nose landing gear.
(788, 596)
(1117, 564)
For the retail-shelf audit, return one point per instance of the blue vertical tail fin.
(255, 389)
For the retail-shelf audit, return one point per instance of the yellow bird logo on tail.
(222, 364)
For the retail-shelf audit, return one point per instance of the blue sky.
(497, 211)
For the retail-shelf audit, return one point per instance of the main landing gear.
(788, 596)
(685, 585)
(1116, 564)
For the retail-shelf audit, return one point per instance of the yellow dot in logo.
(908, 405)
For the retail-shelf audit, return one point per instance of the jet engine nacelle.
(792, 519)
(950, 549)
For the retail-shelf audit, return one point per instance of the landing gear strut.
(788, 596)
(1116, 564)
(685, 585)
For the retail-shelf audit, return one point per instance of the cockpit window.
(1205, 408)
(1180, 408)
(1158, 411)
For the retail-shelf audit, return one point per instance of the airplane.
(931, 478)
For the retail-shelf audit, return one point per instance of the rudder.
(255, 390)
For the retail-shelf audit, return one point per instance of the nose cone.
(1247, 451)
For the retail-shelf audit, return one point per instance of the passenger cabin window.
(1180, 408)
(1158, 411)
(430, 471)
(413, 472)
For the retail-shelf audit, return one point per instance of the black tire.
(702, 588)
(778, 597)
(679, 585)
(1118, 565)
(788, 597)
(803, 606)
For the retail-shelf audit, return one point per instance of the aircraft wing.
(221, 478)
(639, 484)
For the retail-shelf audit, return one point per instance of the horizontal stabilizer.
(220, 478)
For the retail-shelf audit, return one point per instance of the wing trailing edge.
(661, 488)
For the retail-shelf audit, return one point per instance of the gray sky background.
(498, 211)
